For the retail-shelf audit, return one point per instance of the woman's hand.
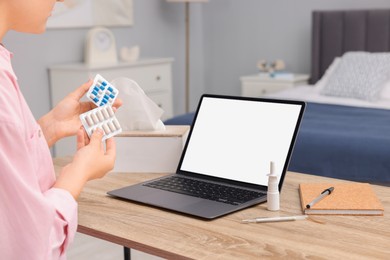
(91, 161)
(63, 120)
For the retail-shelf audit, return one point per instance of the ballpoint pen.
(320, 197)
(274, 219)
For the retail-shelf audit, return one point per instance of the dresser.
(260, 84)
(154, 76)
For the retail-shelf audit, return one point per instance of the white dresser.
(154, 76)
(257, 85)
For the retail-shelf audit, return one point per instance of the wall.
(239, 33)
(158, 29)
(227, 39)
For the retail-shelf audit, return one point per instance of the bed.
(345, 131)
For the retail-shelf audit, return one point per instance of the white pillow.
(385, 93)
(325, 77)
(359, 75)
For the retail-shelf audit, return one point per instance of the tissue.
(138, 111)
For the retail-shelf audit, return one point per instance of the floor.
(86, 247)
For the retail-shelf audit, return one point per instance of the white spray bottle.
(273, 190)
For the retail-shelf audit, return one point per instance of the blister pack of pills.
(102, 117)
(102, 92)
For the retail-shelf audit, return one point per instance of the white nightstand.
(260, 84)
(153, 75)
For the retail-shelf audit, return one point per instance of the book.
(346, 199)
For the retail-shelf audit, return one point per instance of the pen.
(274, 219)
(320, 197)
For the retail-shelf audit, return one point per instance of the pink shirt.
(36, 220)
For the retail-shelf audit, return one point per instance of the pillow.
(329, 71)
(359, 75)
(385, 93)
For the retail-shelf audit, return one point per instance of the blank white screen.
(237, 139)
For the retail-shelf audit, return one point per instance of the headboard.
(336, 32)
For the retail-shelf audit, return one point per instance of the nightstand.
(260, 84)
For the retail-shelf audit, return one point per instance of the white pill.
(105, 113)
(110, 111)
(112, 127)
(116, 123)
(106, 129)
(100, 115)
(88, 120)
(94, 118)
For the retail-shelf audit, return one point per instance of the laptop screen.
(236, 138)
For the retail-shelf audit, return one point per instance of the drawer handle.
(158, 78)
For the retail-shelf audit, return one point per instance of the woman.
(38, 213)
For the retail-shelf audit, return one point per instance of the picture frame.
(90, 13)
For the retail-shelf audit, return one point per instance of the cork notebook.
(346, 199)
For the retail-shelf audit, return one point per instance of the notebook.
(225, 161)
(346, 199)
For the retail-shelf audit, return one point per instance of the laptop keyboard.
(205, 190)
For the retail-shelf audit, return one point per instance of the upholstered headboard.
(336, 32)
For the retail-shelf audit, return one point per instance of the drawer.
(258, 89)
(156, 77)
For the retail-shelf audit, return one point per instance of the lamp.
(187, 55)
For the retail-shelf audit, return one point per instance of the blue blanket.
(338, 141)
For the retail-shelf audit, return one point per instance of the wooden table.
(171, 235)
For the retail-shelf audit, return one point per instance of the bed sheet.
(311, 93)
(344, 142)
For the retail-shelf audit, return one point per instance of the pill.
(100, 115)
(116, 123)
(110, 111)
(105, 114)
(106, 129)
(112, 127)
(94, 118)
(88, 120)
(102, 92)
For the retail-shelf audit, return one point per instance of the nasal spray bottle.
(273, 189)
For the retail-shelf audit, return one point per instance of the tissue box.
(150, 151)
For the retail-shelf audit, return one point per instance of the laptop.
(225, 161)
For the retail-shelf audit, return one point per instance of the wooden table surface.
(171, 235)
